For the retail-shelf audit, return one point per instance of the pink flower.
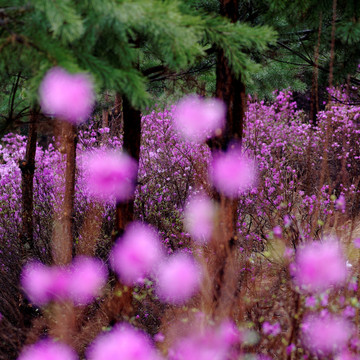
(88, 276)
(109, 175)
(136, 253)
(48, 350)
(269, 329)
(288, 253)
(326, 334)
(123, 342)
(310, 302)
(199, 218)
(340, 203)
(349, 312)
(196, 119)
(287, 221)
(159, 337)
(43, 284)
(318, 266)
(204, 344)
(356, 243)
(67, 96)
(290, 349)
(178, 279)
(232, 173)
(277, 231)
(346, 355)
(228, 333)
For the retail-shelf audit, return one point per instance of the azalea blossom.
(109, 174)
(319, 266)
(233, 173)
(87, 276)
(43, 283)
(136, 253)
(178, 279)
(48, 350)
(326, 334)
(271, 329)
(199, 218)
(123, 342)
(67, 96)
(213, 343)
(196, 119)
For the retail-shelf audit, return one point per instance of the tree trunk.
(116, 119)
(131, 144)
(224, 263)
(63, 231)
(27, 167)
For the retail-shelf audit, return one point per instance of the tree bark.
(131, 144)
(223, 265)
(229, 88)
(63, 231)
(27, 167)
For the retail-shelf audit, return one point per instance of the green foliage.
(241, 39)
(62, 18)
(275, 75)
(298, 24)
(109, 38)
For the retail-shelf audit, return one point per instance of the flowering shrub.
(283, 288)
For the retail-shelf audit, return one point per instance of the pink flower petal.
(109, 175)
(319, 266)
(136, 253)
(178, 279)
(196, 119)
(232, 173)
(70, 97)
(48, 350)
(88, 276)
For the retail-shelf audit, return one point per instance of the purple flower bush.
(294, 186)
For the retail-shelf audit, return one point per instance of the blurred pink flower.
(277, 231)
(290, 349)
(356, 243)
(159, 337)
(346, 355)
(206, 344)
(196, 119)
(340, 203)
(122, 342)
(109, 174)
(233, 173)
(349, 312)
(228, 333)
(87, 276)
(288, 253)
(310, 302)
(318, 266)
(69, 97)
(43, 284)
(48, 350)
(199, 218)
(326, 334)
(271, 329)
(136, 253)
(178, 279)
(287, 221)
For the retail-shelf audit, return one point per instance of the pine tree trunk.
(61, 318)
(131, 144)
(231, 90)
(27, 167)
(63, 231)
